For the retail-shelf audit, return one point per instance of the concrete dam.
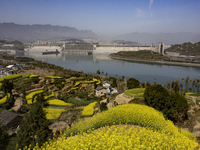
(96, 48)
(100, 49)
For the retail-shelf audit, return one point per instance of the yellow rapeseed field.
(29, 96)
(151, 131)
(33, 76)
(88, 110)
(53, 77)
(4, 99)
(10, 77)
(121, 138)
(52, 113)
(57, 102)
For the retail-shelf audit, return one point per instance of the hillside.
(187, 48)
(72, 107)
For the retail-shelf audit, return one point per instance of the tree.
(103, 106)
(173, 106)
(34, 127)
(98, 72)
(3, 137)
(179, 107)
(157, 97)
(7, 86)
(175, 86)
(114, 82)
(132, 83)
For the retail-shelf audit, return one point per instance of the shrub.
(179, 106)
(88, 110)
(103, 106)
(173, 106)
(157, 97)
(133, 83)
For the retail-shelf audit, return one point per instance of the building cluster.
(11, 69)
(106, 89)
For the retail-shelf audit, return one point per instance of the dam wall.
(100, 49)
(69, 47)
(114, 49)
(33, 48)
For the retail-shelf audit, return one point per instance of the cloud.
(139, 13)
(150, 3)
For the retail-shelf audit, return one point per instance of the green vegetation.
(139, 95)
(173, 106)
(131, 92)
(194, 94)
(133, 83)
(60, 100)
(3, 137)
(34, 127)
(146, 54)
(78, 102)
(187, 48)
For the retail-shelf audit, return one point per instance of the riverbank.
(151, 61)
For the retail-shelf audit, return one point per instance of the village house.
(10, 119)
(106, 89)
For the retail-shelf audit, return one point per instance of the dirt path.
(122, 99)
(17, 104)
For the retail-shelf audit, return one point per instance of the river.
(117, 68)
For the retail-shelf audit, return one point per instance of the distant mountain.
(125, 42)
(166, 38)
(29, 33)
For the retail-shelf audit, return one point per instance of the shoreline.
(162, 62)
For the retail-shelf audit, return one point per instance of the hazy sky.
(107, 16)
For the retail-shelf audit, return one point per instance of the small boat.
(89, 53)
(50, 52)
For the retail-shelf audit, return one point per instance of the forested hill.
(187, 48)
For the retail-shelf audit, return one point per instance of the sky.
(107, 17)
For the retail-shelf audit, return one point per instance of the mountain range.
(166, 38)
(29, 33)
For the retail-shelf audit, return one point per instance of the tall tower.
(161, 48)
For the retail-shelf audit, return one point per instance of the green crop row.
(130, 92)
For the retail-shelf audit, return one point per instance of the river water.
(117, 68)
